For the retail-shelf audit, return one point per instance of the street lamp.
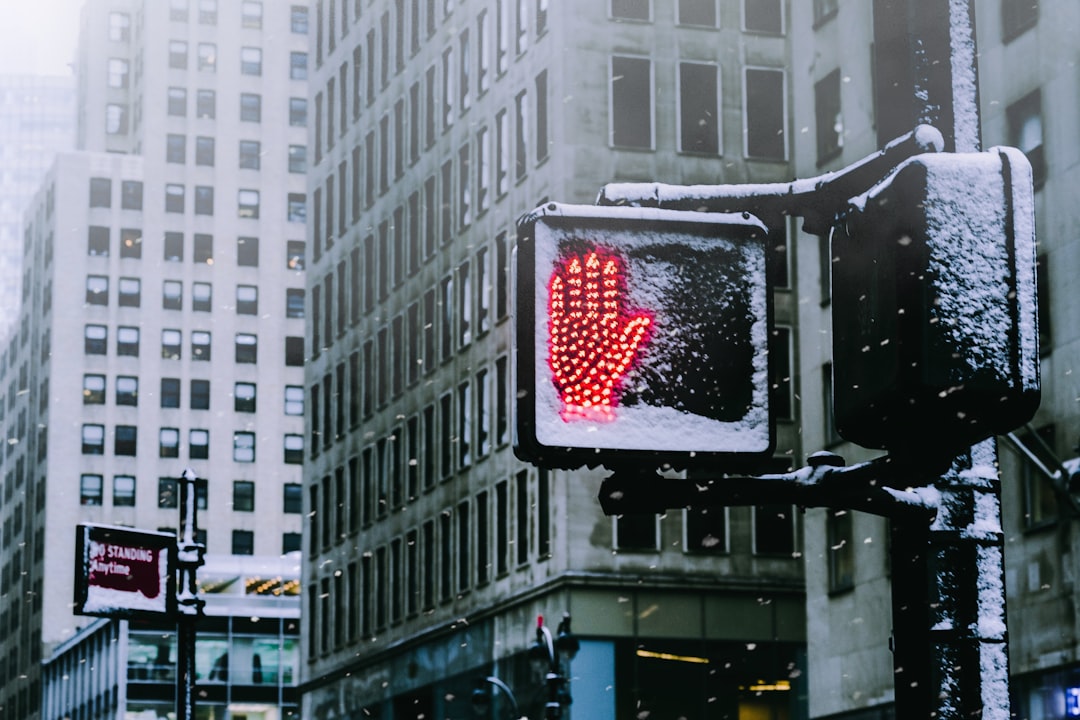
(551, 657)
(481, 696)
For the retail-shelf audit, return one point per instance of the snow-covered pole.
(949, 633)
(190, 606)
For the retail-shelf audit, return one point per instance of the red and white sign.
(122, 572)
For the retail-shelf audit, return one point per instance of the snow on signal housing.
(642, 337)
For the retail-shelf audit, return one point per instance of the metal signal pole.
(189, 604)
(949, 634)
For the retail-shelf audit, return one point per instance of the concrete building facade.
(430, 550)
(161, 323)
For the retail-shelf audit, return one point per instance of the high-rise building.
(37, 120)
(1027, 74)
(430, 549)
(162, 306)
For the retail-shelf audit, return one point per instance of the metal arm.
(818, 200)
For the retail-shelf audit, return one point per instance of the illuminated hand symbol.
(591, 341)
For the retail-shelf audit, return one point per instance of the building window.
(118, 73)
(94, 390)
(198, 444)
(129, 292)
(204, 151)
(1026, 132)
(201, 297)
(250, 152)
(208, 12)
(1040, 498)
(247, 203)
(294, 303)
(840, 550)
(697, 12)
(705, 530)
(200, 394)
(124, 491)
(699, 108)
(174, 198)
(125, 440)
(250, 107)
(90, 489)
(294, 351)
(780, 350)
(200, 345)
(297, 208)
(631, 10)
(631, 107)
(95, 341)
(131, 192)
(100, 192)
(294, 254)
(298, 158)
(830, 123)
(247, 300)
(119, 27)
(116, 118)
(170, 392)
(298, 66)
(178, 10)
(169, 443)
(294, 399)
(203, 249)
(97, 290)
(774, 530)
(247, 348)
(764, 114)
(243, 496)
(247, 252)
(168, 493)
(293, 498)
(244, 447)
(298, 19)
(127, 390)
(298, 112)
(205, 104)
(243, 542)
(1017, 16)
(636, 532)
(763, 16)
(204, 200)
(177, 101)
(172, 295)
(250, 61)
(178, 54)
(170, 344)
(244, 397)
(294, 449)
(207, 57)
(93, 439)
(97, 241)
(130, 243)
(174, 247)
(251, 15)
(291, 542)
(127, 341)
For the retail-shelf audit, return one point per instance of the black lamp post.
(552, 657)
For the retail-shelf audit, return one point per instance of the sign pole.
(189, 604)
(949, 635)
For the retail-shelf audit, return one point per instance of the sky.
(37, 37)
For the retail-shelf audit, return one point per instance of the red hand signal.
(591, 341)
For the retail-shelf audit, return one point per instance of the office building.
(429, 550)
(161, 321)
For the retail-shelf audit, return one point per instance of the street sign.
(642, 335)
(935, 328)
(124, 573)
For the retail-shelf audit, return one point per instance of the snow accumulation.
(724, 268)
